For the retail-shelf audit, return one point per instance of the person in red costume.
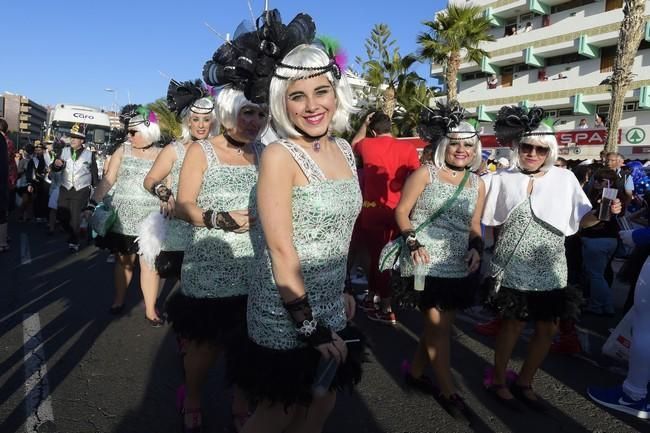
(387, 162)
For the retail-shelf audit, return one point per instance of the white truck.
(63, 116)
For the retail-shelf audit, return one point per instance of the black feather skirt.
(220, 321)
(526, 305)
(117, 243)
(444, 294)
(169, 263)
(287, 376)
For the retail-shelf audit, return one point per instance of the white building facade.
(555, 54)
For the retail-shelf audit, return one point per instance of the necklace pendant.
(316, 146)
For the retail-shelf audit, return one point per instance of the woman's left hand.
(473, 260)
(350, 306)
(616, 207)
(168, 208)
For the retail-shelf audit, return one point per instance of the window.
(510, 27)
(602, 109)
(630, 106)
(565, 112)
(525, 17)
(610, 5)
(523, 67)
(474, 76)
(551, 113)
(607, 57)
(563, 59)
(571, 5)
(644, 45)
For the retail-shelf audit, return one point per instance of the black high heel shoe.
(519, 391)
(116, 309)
(511, 403)
(155, 323)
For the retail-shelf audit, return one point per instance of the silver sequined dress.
(219, 264)
(179, 232)
(447, 237)
(531, 251)
(131, 201)
(323, 215)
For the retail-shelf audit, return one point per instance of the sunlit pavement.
(67, 366)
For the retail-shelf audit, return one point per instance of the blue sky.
(69, 51)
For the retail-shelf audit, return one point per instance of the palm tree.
(385, 69)
(628, 44)
(392, 72)
(455, 31)
(411, 97)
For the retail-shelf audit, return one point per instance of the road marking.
(33, 301)
(25, 253)
(38, 404)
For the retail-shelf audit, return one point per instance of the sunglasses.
(539, 150)
(132, 132)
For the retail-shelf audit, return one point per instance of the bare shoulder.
(195, 154)
(422, 173)
(276, 153)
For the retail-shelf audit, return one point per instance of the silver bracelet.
(213, 219)
(307, 328)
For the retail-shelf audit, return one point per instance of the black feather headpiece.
(514, 122)
(436, 123)
(248, 62)
(183, 95)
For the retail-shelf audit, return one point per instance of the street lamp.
(114, 92)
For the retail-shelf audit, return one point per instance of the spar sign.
(635, 136)
(580, 137)
(589, 137)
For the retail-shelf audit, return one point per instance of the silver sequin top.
(323, 215)
(179, 232)
(131, 201)
(219, 264)
(537, 262)
(447, 237)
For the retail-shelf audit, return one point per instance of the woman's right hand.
(168, 208)
(243, 219)
(335, 348)
(420, 256)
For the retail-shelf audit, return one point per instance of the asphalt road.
(67, 366)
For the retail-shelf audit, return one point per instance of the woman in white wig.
(535, 205)
(300, 348)
(126, 171)
(443, 200)
(161, 242)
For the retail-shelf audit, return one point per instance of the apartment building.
(556, 54)
(24, 116)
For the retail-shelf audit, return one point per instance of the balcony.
(591, 23)
(582, 78)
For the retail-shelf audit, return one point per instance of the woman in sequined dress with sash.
(448, 250)
(127, 169)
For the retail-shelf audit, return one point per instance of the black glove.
(308, 328)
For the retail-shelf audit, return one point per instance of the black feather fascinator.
(514, 122)
(248, 62)
(185, 94)
(436, 123)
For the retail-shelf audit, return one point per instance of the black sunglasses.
(132, 132)
(539, 150)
